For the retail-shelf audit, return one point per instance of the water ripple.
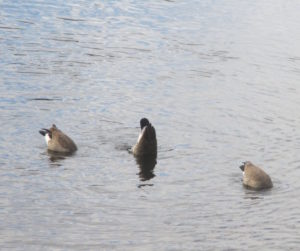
(218, 80)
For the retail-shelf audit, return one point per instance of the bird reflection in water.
(55, 157)
(146, 165)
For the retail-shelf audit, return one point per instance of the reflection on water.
(146, 165)
(56, 157)
(256, 194)
(220, 79)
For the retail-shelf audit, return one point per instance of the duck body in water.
(57, 141)
(254, 177)
(146, 144)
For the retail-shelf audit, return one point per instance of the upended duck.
(254, 177)
(57, 141)
(146, 144)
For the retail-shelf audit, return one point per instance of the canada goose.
(57, 141)
(254, 177)
(146, 143)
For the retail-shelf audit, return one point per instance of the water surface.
(219, 80)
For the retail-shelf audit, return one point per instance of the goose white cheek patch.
(47, 138)
(141, 134)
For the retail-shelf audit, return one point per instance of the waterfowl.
(146, 143)
(254, 177)
(57, 141)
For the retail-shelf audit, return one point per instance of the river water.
(219, 80)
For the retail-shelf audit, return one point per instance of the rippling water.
(219, 80)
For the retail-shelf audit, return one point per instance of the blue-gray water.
(219, 80)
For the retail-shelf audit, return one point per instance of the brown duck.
(254, 177)
(146, 144)
(57, 141)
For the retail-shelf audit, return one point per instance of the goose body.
(254, 177)
(146, 144)
(57, 141)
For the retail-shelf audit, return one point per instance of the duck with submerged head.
(254, 177)
(146, 144)
(57, 141)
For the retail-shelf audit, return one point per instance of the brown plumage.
(146, 144)
(254, 177)
(57, 141)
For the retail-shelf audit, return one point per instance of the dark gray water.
(219, 80)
